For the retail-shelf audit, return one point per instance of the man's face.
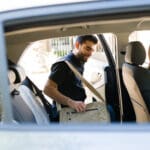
(85, 50)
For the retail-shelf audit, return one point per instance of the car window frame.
(6, 108)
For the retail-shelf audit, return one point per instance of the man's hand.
(79, 106)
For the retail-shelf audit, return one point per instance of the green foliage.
(61, 53)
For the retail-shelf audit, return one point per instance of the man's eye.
(88, 48)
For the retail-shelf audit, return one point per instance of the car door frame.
(112, 89)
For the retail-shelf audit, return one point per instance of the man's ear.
(77, 45)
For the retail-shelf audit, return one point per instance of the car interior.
(121, 87)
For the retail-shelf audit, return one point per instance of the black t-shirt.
(68, 83)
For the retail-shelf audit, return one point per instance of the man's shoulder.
(60, 63)
(67, 57)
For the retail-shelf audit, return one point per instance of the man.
(63, 86)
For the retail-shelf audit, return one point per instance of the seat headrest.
(135, 53)
(16, 73)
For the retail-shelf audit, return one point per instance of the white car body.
(21, 26)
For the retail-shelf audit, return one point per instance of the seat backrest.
(137, 80)
(34, 104)
(26, 106)
(21, 111)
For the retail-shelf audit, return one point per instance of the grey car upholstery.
(34, 104)
(137, 80)
(26, 106)
(21, 111)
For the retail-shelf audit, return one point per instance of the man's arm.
(51, 90)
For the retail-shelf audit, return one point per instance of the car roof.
(99, 9)
(22, 4)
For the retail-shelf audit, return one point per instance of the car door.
(115, 91)
(111, 87)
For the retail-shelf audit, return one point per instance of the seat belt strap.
(91, 88)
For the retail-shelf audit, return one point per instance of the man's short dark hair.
(83, 38)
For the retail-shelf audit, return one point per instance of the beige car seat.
(137, 80)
